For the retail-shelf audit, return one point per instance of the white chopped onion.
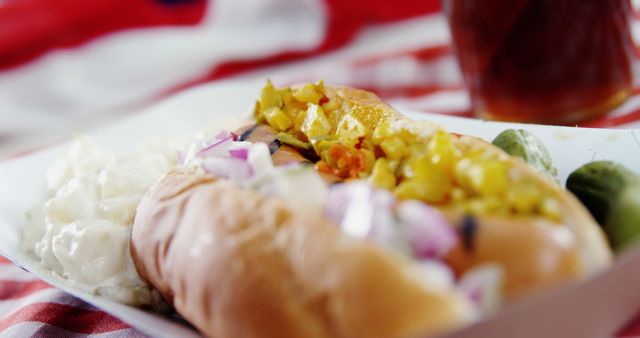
(360, 209)
(259, 157)
(384, 230)
(337, 202)
(300, 186)
(483, 286)
(231, 168)
(437, 273)
(358, 218)
(218, 146)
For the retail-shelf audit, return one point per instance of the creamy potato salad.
(81, 230)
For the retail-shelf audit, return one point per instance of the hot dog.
(582, 252)
(236, 261)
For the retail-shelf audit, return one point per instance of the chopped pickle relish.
(353, 141)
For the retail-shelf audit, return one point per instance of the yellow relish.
(357, 141)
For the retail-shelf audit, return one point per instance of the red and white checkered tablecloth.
(92, 61)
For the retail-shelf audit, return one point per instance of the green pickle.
(611, 192)
(524, 145)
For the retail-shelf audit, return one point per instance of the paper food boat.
(595, 307)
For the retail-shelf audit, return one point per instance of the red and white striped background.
(91, 62)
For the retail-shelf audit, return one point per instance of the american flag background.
(68, 65)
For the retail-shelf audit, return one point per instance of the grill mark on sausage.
(245, 134)
(274, 146)
(309, 154)
(468, 230)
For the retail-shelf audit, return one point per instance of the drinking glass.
(543, 61)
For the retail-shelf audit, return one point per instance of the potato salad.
(81, 230)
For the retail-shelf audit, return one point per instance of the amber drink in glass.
(544, 61)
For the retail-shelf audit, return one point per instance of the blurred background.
(67, 65)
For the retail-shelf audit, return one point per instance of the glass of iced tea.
(543, 61)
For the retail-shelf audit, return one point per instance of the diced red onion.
(211, 148)
(224, 137)
(428, 232)
(419, 230)
(337, 202)
(342, 197)
(383, 226)
(359, 209)
(240, 153)
(228, 167)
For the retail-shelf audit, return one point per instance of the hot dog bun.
(238, 264)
